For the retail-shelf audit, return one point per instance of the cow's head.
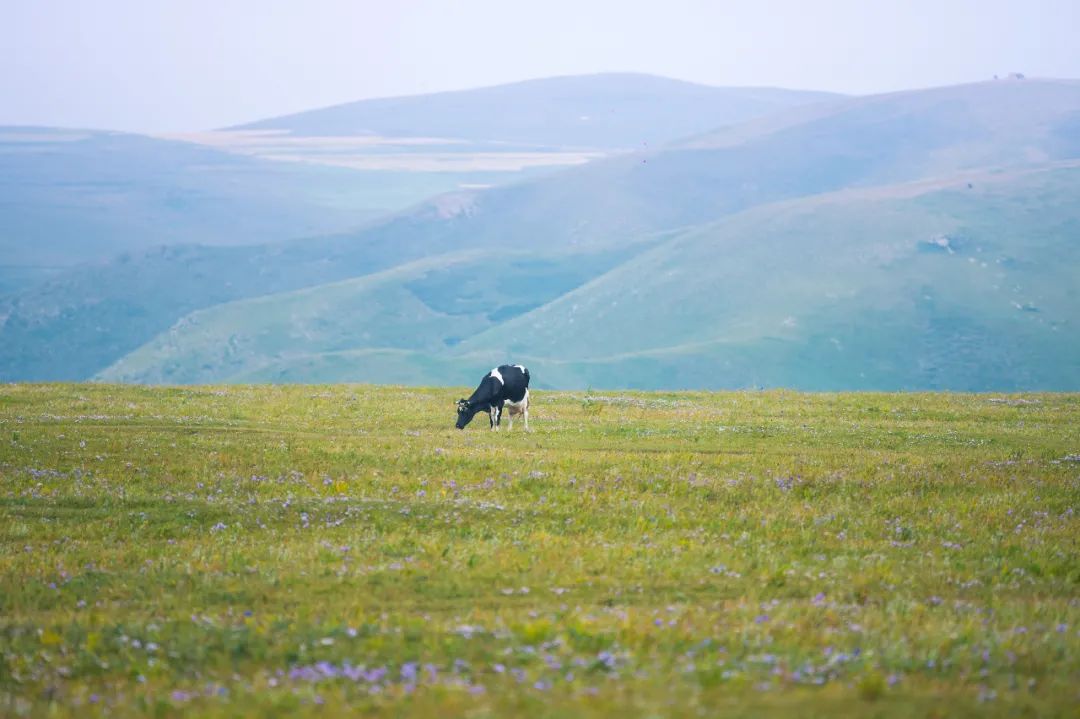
(465, 413)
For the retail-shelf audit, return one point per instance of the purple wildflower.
(409, 672)
(374, 676)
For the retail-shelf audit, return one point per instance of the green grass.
(203, 550)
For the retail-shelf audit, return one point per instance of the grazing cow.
(506, 385)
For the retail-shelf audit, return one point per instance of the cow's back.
(515, 381)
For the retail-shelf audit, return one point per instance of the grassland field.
(329, 550)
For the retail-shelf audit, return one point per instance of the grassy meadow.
(241, 550)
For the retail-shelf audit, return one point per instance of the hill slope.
(860, 142)
(71, 196)
(967, 286)
(614, 111)
(857, 143)
(426, 306)
(930, 285)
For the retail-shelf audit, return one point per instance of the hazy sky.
(159, 65)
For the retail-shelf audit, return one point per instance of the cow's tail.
(526, 370)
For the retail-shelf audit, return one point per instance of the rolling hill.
(429, 305)
(963, 283)
(74, 196)
(609, 110)
(632, 203)
(69, 196)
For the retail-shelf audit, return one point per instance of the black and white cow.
(506, 385)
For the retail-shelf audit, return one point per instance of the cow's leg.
(491, 417)
(525, 412)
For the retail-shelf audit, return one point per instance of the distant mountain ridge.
(612, 110)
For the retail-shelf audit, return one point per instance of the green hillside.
(75, 197)
(427, 306)
(962, 284)
(98, 314)
(908, 287)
